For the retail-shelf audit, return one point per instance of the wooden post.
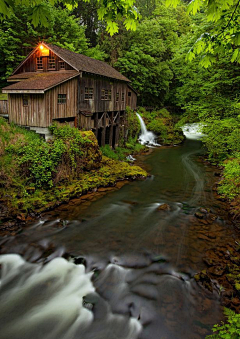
(111, 130)
(117, 129)
(96, 124)
(104, 130)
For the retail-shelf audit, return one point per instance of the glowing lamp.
(44, 51)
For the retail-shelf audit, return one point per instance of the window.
(117, 97)
(61, 64)
(106, 94)
(25, 99)
(103, 94)
(129, 94)
(88, 93)
(39, 64)
(51, 63)
(123, 96)
(62, 98)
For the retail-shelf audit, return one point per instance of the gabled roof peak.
(81, 63)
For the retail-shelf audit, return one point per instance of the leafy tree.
(204, 93)
(110, 11)
(223, 34)
(145, 56)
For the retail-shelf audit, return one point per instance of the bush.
(222, 138)
(228, 330)
(230, 184)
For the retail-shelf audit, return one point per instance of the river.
(119, 266)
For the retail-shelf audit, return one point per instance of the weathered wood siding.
(60, 111)
(30, 65)
(31, 115)
(131, 98)
(3, 106)
(43, 108)
(97, 104)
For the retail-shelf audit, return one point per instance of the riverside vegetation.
(36, 175)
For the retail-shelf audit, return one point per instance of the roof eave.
(22, 91)
(40, 91)
(59, 83)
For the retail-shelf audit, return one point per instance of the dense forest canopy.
(151, 52)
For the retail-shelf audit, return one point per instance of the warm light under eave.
(41, 47)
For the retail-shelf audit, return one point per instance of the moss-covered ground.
(36, 175)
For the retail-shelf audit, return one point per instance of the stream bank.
(144, 258)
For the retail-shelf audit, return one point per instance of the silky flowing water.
(128, 268)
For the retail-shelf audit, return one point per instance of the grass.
(3, 96)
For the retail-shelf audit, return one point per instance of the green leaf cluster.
(223, 34)
(144, 55)
(228, 330)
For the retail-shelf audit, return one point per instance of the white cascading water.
(46, 301)
(193, 131)
(146, 137)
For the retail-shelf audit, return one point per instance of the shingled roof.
(82, 63)
(85, 64)
(40, 82)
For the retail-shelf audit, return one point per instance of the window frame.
(62, 98)
(88, 95)
(25, 100)
(39, 62)
(51, 63)
(106, 94)
(60, 63)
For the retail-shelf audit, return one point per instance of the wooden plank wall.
(96, 104)
(30, 64)
(31, 115)
(3, 106)
(59, 111)
(131, 99)
(42, 109)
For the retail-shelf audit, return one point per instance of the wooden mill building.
(55, 84)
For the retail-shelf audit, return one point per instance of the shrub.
(222, 138)
(230, 184)
(228, 330)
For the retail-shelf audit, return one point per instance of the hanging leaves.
(224, 15)
(110, 11)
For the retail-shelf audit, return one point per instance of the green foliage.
(116, 154)
(133, 125)
(230, 184)
(64, 158)
(222, 138)
(110, 11)
(37, 175)
(144, 56)
(228, 330)
(163, 125)
(204, 93)
(223, 34)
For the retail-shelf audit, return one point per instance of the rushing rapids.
(130, 259)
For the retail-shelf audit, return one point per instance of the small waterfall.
(193, 131)
(146, 137)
